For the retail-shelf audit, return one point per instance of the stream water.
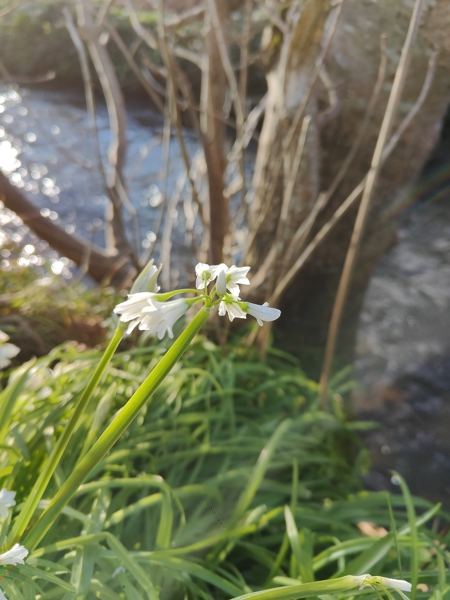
(403, 350)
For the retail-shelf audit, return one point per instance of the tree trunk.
(352, 63)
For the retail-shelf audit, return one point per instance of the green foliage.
(192, 501)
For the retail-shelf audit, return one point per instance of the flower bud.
(221, 285)
(146, 280)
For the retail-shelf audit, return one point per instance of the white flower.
(230, 305)
(368, 580)
(233, 276)
(131, 309)
(397, 584)
(235, 308)
(6, 501)
(160, 317)
(7, 351)
(207, 273)
(14, 556)
(236, 275)
(2, 596)
(140, 297)
(262, 313)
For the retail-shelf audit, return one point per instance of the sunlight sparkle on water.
(8, 157)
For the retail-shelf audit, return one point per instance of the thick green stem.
(115, 430)
(53, 460)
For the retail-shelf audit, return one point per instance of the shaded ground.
(414, 440)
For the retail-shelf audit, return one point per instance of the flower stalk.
(115, 429)
(52, 462)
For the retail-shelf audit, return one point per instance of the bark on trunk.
(352, 64)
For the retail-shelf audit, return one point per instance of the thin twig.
(273, 18)
(167, 232)
(133, 66)
(348, 203)
(118, 124)
(333, 98)
(166, 137)
(183, 17)
(90, 103)
(152, 42)
(299, 236)
(167, 58)
(369, 187)
(102, 12)
(290, 183)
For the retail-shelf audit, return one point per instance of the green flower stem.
(40, 486)
(166, 295)
(304, 590)
(115, 430)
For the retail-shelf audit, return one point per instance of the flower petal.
(263, 313)
(397, 584)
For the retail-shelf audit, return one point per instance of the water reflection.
(46, 149)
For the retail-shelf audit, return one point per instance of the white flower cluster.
(7, 351)
(230, 279)
(17, 553)
(150, 311)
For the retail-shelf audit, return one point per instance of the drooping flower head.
(15, 556)
(237, 309)
(6, 501)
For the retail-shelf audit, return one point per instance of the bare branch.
(134, 67)
(236, 98)
(183, 17)
(167, 58)
(347, 204)
(90, 103)
(272, 16)
(333, 98)
(101, 265)
(152, 42)
(10, 78)
(103, 11)
(300, 236)
(118, 125)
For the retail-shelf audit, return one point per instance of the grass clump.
(230, 481)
